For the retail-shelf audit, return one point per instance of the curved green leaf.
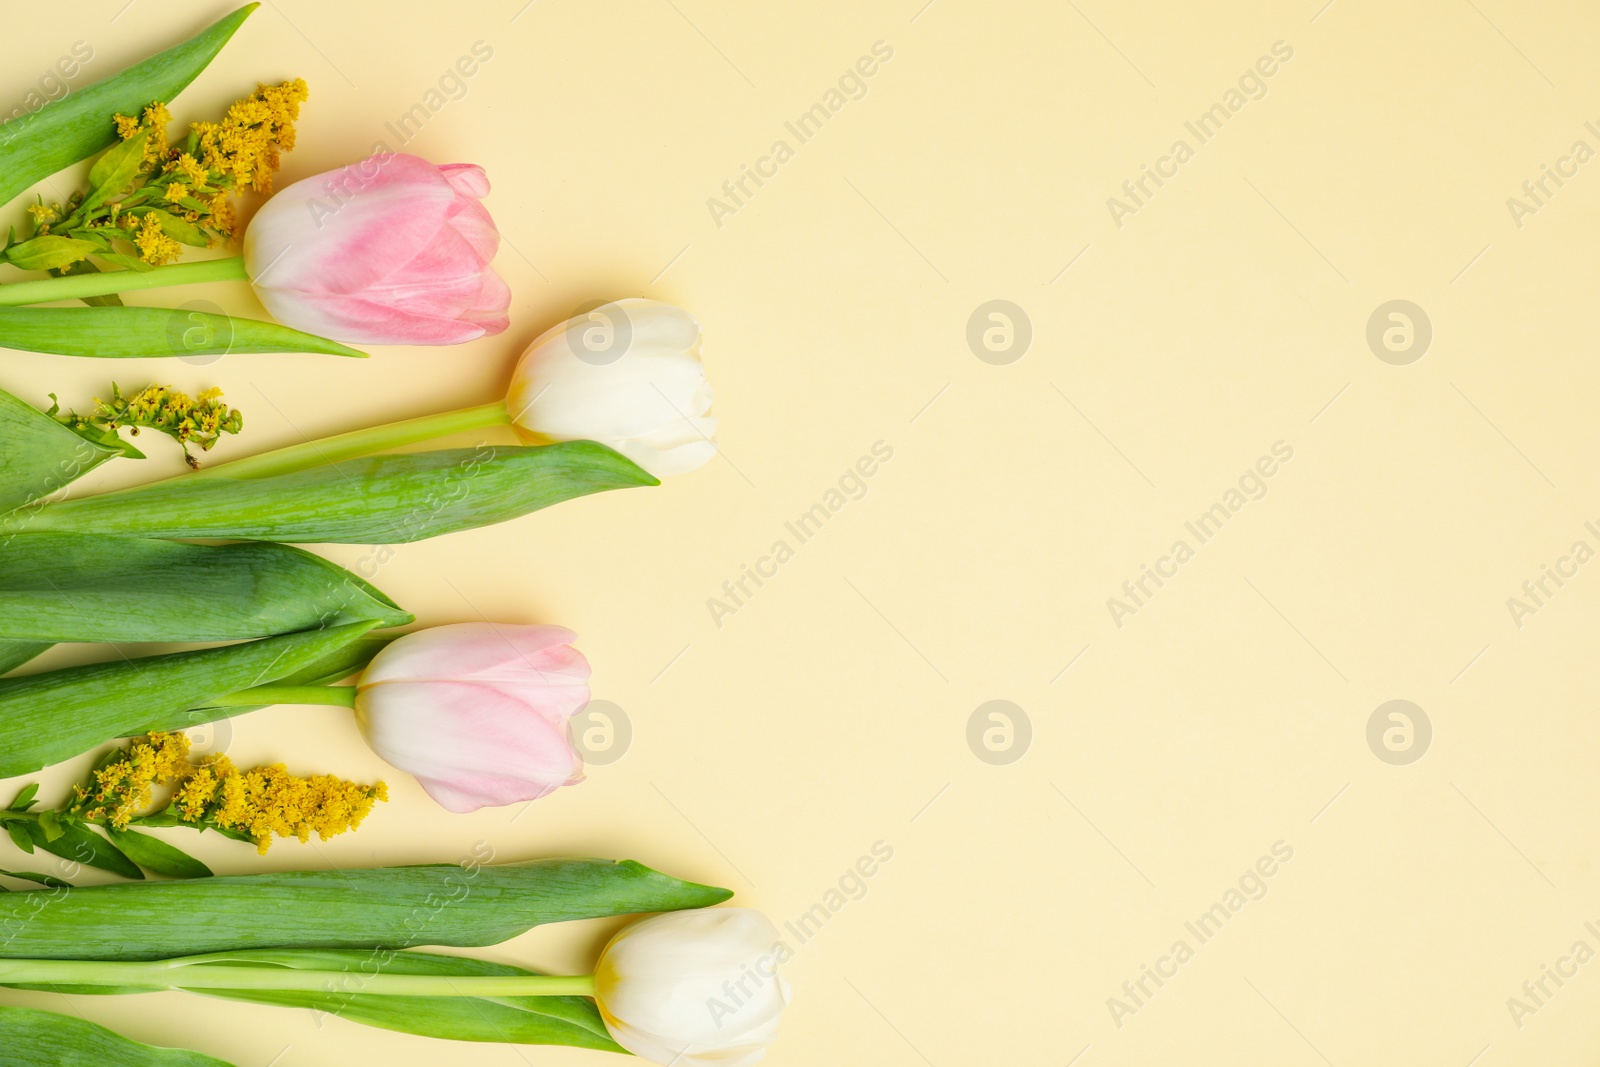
(38, 456)
(29, 1038)
(388, 907)
(76, 842)
(79, 587)
(49, 881)
(371, 500)
(571, 1021)
(14, 654)
(336, 666)
(179, 229)
(49, 717)
(38, 144)
(24, 799)
(49, 252)
(115, 168)
(154, 854)
(137, 332)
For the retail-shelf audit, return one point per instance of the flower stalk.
(358, 443)
(339, 696)
(106, 283)
(220, 971)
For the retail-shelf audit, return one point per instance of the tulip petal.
(699, 988)
(482, 651)
(468, 179)
(469, 745)
(342, 230)
(393, 250)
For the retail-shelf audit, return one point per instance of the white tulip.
(694, 988)
(627, 374)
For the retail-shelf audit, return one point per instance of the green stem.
(13, 294)
(358, 442)
(199, 973)
(343, 696)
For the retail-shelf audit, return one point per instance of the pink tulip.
(477, 711)
(392, 250)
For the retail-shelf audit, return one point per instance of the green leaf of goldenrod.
(179, 229)
(20, 837)
(156, 855)
(49, 252)
(24, 799)
(49, 881)
(78, 843)
(115, 168)
(50, 825)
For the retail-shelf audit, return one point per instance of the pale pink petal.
(469, 745)
(392, 250)
(467, 178)
(472, 651)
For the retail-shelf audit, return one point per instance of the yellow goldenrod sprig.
(119, 789)
(188, 420)
(269, 801)
(260, 804)
(173, 194)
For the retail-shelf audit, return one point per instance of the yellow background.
(831, 710)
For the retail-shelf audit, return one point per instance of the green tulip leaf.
(371, 500)
(459, 906)
(36, 145)
(139, 332)
(30, 1037)
(571, 1021)
(49, 717)
(78, 587)
(14, 654)
(38, 456)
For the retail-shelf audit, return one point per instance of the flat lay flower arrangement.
(393, 249)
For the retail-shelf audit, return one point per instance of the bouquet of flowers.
(392, 249)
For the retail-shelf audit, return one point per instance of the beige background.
(830, 712)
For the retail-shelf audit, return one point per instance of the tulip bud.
(627, 374)
(392, 250)
(694, 988)
(477, 711)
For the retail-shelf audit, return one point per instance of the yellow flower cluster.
(198, 420)
(122, 788)
(269, 801)
(193, 179)
(246, 144)
(161, 407)
(263, 803)
(153, 243)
